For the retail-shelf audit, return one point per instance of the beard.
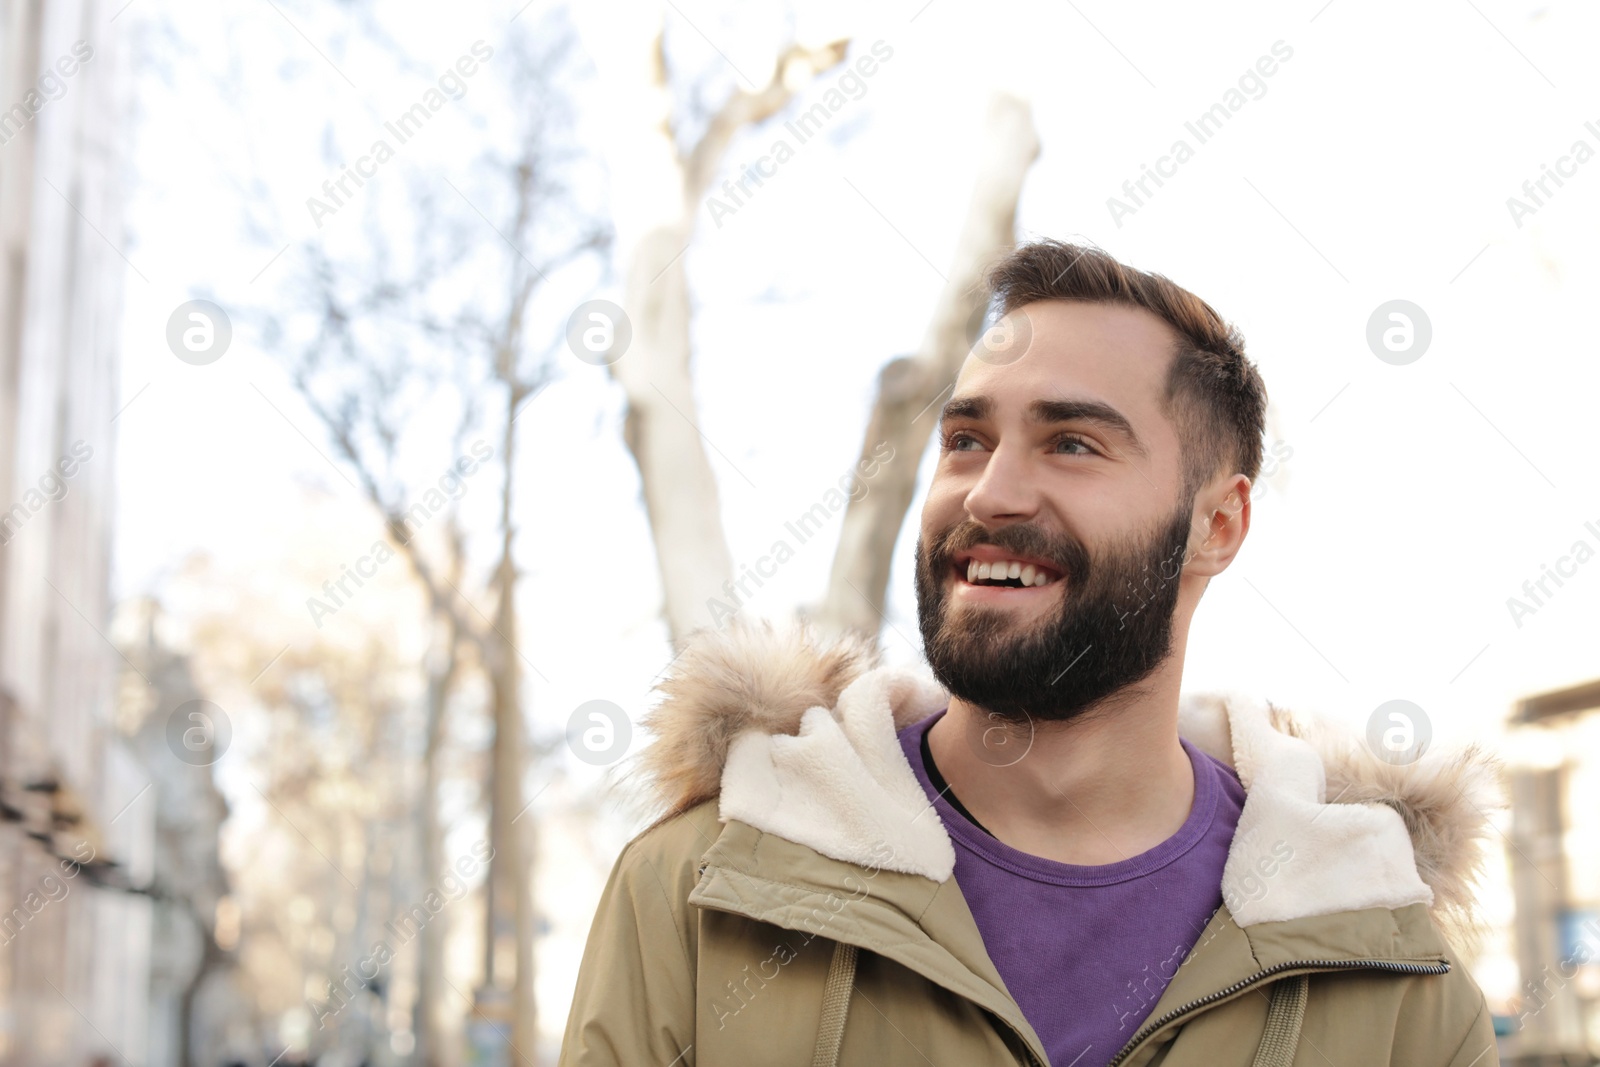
(1113, 627)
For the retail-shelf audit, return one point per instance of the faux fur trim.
(841, 785)
(797, 737)
(757, 678)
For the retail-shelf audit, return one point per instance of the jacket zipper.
(1327, 965)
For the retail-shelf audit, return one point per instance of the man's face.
(1055, 454)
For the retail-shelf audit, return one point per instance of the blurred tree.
(322, 843)
(188, 876)
(903, 412)
(409, 362)
(660, 177)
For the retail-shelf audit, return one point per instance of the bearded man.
(1041, 854)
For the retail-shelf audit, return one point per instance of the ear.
(1222, 510)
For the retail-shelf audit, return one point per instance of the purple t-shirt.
(1087, 951)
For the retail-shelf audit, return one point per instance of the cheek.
(942, 508)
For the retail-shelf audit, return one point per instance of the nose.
(1006, 491)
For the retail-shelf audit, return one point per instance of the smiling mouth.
(1004, 574)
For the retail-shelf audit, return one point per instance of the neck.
(1103, 787)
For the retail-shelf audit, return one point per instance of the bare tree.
(904, 413)
(660, 182)
(444, 670)
(334, 775)
(379, 345)
(659, 179)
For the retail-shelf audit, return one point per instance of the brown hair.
(1214, 394)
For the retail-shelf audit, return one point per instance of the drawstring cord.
(835, 1005)
(1284, 1015)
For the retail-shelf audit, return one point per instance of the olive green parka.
(795, 905)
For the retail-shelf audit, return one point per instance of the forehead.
(1072, 349)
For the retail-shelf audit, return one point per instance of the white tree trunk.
(656, 193)
(910, 390)
(653, 226)
(679, 487)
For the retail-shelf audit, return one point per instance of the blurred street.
(387, 392)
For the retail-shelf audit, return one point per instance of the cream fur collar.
(797, 737)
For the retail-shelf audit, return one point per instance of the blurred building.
(73, 957)
(1555, 863)
(194, 1013)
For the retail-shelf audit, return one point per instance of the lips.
(994, 562)
(1001, 578)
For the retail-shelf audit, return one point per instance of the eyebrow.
(1047, 412)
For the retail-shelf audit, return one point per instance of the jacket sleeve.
(1479, 1048)
(634, 1001)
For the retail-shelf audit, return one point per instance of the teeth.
(1027, 573)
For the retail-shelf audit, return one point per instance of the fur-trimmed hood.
(796, 735)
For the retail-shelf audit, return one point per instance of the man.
(1041, 855)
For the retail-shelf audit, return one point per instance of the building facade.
(1555, 865)
(73, 956)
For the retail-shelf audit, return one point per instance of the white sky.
(1376, 166)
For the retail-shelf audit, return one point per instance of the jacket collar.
(796, 736)
(925, 925)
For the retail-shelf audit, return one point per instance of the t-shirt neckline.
(1202, 811)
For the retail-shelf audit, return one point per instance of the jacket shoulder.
(1445, 1018)
(1437, 1018)
(670, 848)
(660, 867)
(634, 1001)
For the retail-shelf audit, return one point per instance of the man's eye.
(952, 442)
(949, 441)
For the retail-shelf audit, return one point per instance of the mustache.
(1063, 553)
